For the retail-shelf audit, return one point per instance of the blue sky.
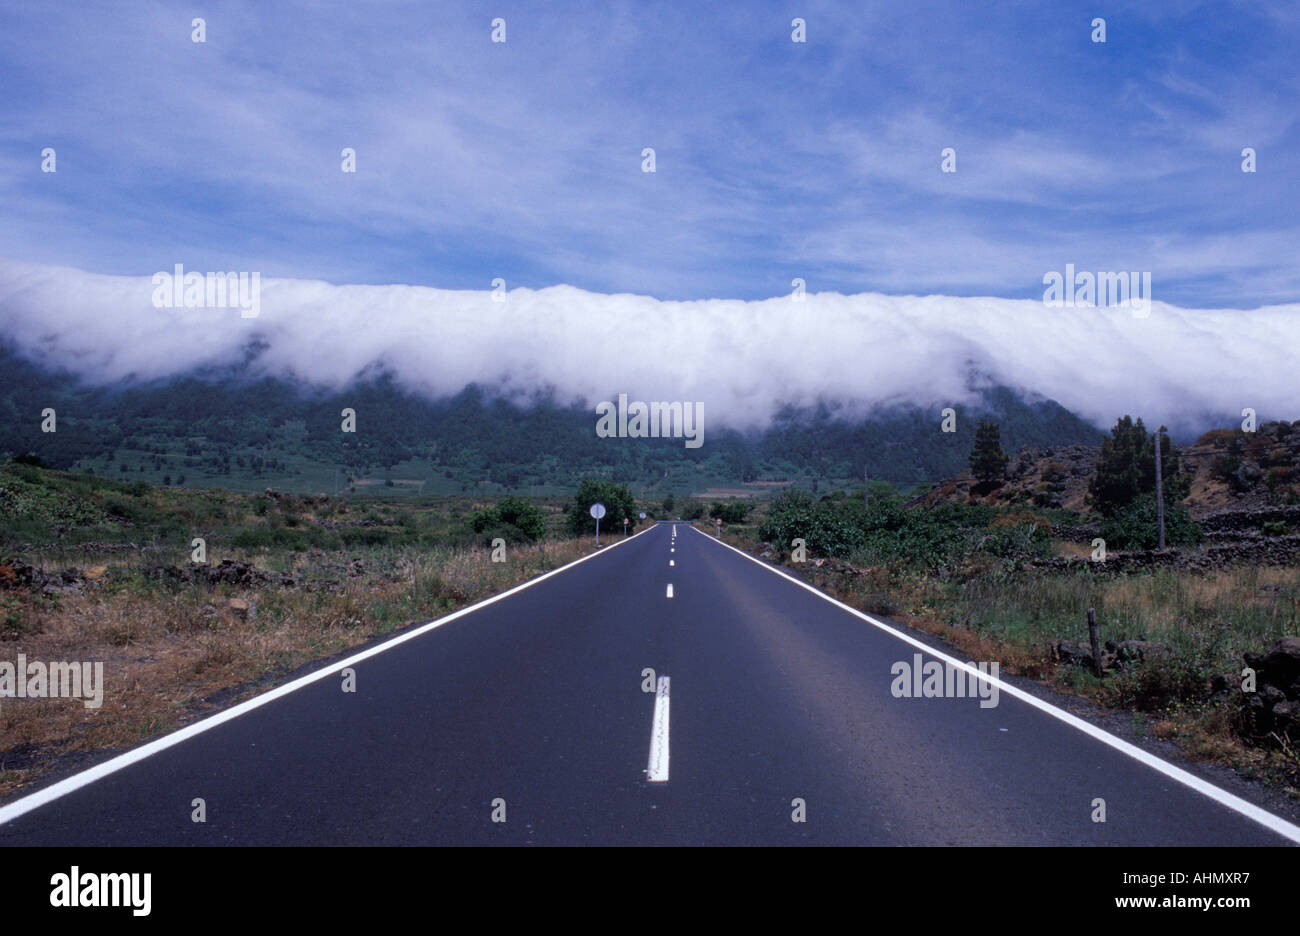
(774, 159)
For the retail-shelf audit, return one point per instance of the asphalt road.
(531, 709)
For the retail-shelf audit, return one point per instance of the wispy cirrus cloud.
(775, 159)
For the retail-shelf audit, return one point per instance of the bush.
(513, 519)
(735, 512)
(1134, 526)
(1225, 467)
(789, 516)
(298, 540)
(119, 508)
(1217, 436)
(888, 532)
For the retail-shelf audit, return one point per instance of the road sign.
(643, 515)
(598, 510)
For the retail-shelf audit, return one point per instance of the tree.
(669, 503)
(618, 505)
(1126, 467)
(988, 463)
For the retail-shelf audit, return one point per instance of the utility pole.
(1160, 492)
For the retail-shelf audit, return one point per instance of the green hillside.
(225, 430)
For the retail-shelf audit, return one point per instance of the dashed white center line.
(657, 771)
(670, 590)
(672, 562)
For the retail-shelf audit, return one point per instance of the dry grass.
(167, 650)
(1207, 620)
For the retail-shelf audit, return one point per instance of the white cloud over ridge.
(743, 359)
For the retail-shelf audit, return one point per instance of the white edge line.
(657, 769)
(1265, 818)
(113, 765)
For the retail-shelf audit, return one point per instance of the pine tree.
(988, 463)
(1126, 467)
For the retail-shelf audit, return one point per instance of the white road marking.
(1204, 787)
(672, 562)
(113, 765)
(657, 771)
(670, 589)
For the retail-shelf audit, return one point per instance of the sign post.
(625, 526)
(719, 528)
(598, 511)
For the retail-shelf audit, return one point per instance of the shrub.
(888, 532)
(1225, 467)
(790, 516)
(735, 512)
(1134, 527)
(1218, 436)
(513, 519)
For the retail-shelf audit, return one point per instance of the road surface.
(525, 720)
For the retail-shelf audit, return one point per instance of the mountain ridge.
(226, 424)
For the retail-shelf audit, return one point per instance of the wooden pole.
(1160, 492)
(1092, 639)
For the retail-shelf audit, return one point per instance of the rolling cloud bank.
(742, 359)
